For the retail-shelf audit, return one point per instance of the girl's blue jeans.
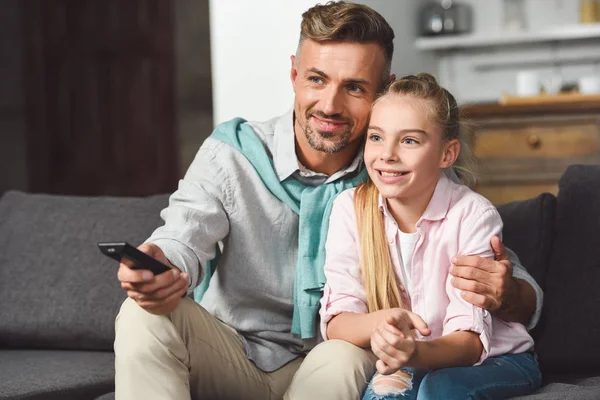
(496, 378)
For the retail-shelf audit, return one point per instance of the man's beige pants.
(191, 354)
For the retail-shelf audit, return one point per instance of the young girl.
(389, 250)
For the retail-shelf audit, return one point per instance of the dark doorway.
(100, 101)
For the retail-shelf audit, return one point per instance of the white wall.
(251, 45)
(251, 55)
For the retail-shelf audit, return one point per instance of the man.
(240, 191)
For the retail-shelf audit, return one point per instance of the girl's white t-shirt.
(406, 247)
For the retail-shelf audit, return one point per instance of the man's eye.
(315, 79)
(355, 88)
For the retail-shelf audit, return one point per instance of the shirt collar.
(438, 206)
(284, 155)
(284, 146)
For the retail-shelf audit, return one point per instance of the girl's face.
(405, 152)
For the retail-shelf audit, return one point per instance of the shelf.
(571, 32)
(558, 99)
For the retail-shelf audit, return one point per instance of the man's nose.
(332, 101)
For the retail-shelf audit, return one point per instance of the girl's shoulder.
(342, 211)
(345, 198)
(468, 202)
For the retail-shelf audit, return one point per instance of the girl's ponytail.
(376, 264)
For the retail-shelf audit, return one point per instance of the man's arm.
(195, 221)
(502, 286)
(531, 292)
(196, 218)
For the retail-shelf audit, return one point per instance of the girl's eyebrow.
(410, 130)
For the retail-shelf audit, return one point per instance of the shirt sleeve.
(195, 219)
(343, 291)
(520, 272)
(474, 239)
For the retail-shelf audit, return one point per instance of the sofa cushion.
(529, 231)
(107, 396)
(567, 387)
(57, 289)
(570, 326)
(563, 391)
(55, 374)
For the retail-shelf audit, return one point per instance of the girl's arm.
(355, 328)
(457, 349)
(463, 319)
(358, 328)
(344, 311)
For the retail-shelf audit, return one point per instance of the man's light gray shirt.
(222, 199)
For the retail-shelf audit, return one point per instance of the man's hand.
(393, 341)
(158, 294)
(489, 284)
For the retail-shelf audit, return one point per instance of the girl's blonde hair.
(383, 290)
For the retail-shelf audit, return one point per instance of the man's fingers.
(479, 300)
(161, 281)
(473, 261)
(498, 249)
(151, 305)
(164, 293)
(472, 286)
(133, 294)
(474, 274)
(126, 274)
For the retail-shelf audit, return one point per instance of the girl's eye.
(410, 141)
(374, 137)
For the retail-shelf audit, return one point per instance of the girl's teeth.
(390, 173)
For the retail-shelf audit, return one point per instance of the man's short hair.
(339, 21)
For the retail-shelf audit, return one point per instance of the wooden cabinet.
(523, 150)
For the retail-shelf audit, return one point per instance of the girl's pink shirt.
(457, 221)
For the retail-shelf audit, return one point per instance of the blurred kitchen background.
(114, 97)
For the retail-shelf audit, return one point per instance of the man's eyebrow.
(318, 72)
(351, 80)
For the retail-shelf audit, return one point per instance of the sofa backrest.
(57, 289)
(570, 324)
(529, 232)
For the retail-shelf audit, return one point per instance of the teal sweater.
(312, 204)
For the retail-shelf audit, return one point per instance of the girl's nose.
(388, 154)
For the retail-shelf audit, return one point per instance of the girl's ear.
(450, 153)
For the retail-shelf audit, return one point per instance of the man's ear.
(450, 153)
(390, 79)
(293, 70)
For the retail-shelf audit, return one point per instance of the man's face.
(335, 84)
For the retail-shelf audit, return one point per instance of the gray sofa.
(60, 295)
